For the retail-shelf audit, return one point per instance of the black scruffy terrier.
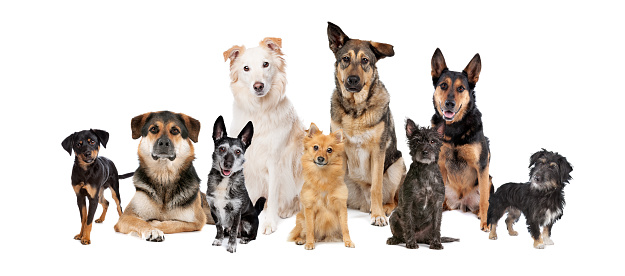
(417, 218)
(541, 200)
(230, 204)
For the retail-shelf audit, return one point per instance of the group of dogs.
(288, 170)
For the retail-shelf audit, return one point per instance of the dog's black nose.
(87, 154)
(450, 104)
(258, 86)
(537, 178)
(425, 152)
(353, 80)
(163, 142)
(320, 159)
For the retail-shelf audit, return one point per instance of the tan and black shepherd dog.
(168, 197)
(360, 106)
(465, 155)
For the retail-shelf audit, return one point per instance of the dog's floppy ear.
(219, 129)
(336, 37)
(534, 158)
(312, 130)
(68, 143)
(233, 53)
(565, 169)
(338, 135)
(411, 127)
(473, 69)
(438, 65)
(192, 125)
(382, 50)
(102, 135)
(136, 124)
(246, 134)
(272, 43)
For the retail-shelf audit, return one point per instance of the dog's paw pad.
(154, 235)
(379, 220)
(309, 246)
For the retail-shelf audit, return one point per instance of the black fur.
(417, 218)
(541, 200)
(230, 204)
(92, 172)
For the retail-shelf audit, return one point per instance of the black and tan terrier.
(417, 218)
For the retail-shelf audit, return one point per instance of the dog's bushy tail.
(448, 239)
(260, 204)
(124, 176)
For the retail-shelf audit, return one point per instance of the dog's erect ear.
(68, 143)
(473, 69)
(565, 170)
(411, 127)
(192, 125)
(537, 155)
(233, 53)
(102, 135)
(312, 130)
(219, 129)
(246, 134)
(438, 65)
(272, 43)
(136, 124)
(382, 50)
(337, 37)
(338, 135)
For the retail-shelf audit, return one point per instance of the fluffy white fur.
(273, 166)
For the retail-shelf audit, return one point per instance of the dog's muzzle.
(352, 84)
(163, 149)
(448, 110)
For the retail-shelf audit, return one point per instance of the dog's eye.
(174, 131)
(432, 141)
(238, 152)
(246, 68)
(365, 60)
(346, 59)
(265, 64)
(460, 88)
(316, 147)
(444, 86)
(91, 142)
(329, 150)
(222, 149)
(154, 129)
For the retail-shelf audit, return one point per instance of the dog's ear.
(219, 129)
(565, 170)
(273, 44)
(246, 134)
(136, 125)
(411, 127)
(233, 53)
(102, 135)
(537, 155)
(382, 50)
(438, 65)
(68, 143)
(338, 135)
(337, 37)
(473, 69)
(192, 125)
(312, 130)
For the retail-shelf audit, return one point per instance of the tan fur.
(323, 214)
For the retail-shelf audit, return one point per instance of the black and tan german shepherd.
(360, 106)
(465, 155)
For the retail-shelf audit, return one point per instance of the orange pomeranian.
(323, 212)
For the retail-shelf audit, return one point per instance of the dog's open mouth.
(226, 172)
(449, 115)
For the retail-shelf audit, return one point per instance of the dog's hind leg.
(396, 230)
(116, 196)
(546, 235)
(105, 206)
(513, 216)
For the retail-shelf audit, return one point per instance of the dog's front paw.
(99, 220)
(268, 227)
(153, 235)
(547, 241)
(513, 233)
(492, 235)
(78, 237)
(412, 245)
(484, 226)
(436, 245)
(309, 246)
(380, 220)
(232, 248)
(539, 245)
(388, 208)
(350, 244)
(393, 240)
(300, 241)
(217, 242)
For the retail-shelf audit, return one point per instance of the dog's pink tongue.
(226, 172)
(449, 114)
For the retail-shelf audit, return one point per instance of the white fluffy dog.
(273, 166)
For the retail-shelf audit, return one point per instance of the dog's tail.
(448, 239)
(260, 204)
(124, 176)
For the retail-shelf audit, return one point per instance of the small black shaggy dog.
(417, 218)
(541, 200)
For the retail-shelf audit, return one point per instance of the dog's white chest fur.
(551, 216)
(359, 157)
(220, 199)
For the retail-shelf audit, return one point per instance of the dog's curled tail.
(124, 176)
(260, 204)
(448, 239)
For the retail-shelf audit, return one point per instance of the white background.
(551, 78)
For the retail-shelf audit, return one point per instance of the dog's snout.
(87, 154)
(425, 152)
(320, 159)
(537, 178)
(228, 161)
(353, 80)
(258, 86)
(163, 142)
(450, 104)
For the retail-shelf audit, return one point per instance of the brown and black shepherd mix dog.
(168, 197)
(465, 155)
(360, 106)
